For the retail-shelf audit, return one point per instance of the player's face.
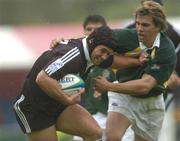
(90, 27)
(146, 30)
(100, 53)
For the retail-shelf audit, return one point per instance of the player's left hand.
(101, 84)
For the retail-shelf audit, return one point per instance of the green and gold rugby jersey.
(160, 66)
(92, 104)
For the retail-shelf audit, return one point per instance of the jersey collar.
(85, 47)
(155, 44)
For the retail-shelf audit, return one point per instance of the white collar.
(155, 44)
(86, 52)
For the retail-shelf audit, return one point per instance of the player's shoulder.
(127, 39)
(69, 44)
(166, 51)
(165, 42)
(76, 41)
(72, 42)
(125, 31)
(125, 34)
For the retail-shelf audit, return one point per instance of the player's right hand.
(75, 97)
(143, 58)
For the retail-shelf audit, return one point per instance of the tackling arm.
(121, 62)
(133, 87)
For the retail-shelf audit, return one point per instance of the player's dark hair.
(102, 36)
(94, 19)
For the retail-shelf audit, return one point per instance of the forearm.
(131, 88)
(121, 62)
(134, 87)
(51, 87)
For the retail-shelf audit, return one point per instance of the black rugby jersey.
(67, 58)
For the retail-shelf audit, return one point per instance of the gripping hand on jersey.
(101, 84)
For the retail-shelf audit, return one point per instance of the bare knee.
(113, 137)
(97, 134)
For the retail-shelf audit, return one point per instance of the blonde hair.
(158, 1)
(155, 10)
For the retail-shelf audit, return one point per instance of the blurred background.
(27, 28)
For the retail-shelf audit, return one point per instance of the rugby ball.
(71, 83)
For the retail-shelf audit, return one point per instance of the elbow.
(40, 78)
(147, 83)
(145, 90)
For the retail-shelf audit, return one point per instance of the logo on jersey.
(54, 66)
(60, 62)
(155, 67)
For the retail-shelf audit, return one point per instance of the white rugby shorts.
(145, 114)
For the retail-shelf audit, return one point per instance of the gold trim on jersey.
(134, 53)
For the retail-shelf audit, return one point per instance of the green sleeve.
(162, 66)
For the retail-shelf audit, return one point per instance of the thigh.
(148, 117)
(138, 138)
(116, 125)
(48, 134)
(76, 120)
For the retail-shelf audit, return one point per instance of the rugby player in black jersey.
(42, 108)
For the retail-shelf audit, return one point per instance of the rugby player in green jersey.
(137, 97)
